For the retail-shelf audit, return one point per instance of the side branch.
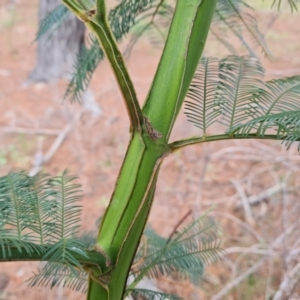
(99, 25)
(198, 140)
(125, 84)
(96, 21)
(92, 258)
(74, 7)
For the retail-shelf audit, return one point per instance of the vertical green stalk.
(129, 207)
(178, 64)
(126, 216)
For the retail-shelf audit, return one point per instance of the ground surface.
(193, 179)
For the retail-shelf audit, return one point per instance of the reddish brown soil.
(193, 178)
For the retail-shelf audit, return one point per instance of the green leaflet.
(277, 96)
(39, 217)
(183, 255)
(249, 107)
(236, 16)
(292, 3)
(201, 108)
(60, 275)
(85, 65)
(121, 19)
(125, 15)
(231, 87)
(152, 295)
(52, 21)
(286, 125)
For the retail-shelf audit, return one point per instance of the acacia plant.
(39, 215)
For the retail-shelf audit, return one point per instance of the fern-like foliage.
(292, 3)
(87, 62)
(154, 24)
(152, 295)
(52, 21)
(237, 17)
(278, 96)
(40, 215)
(10, 241)
(121, 20)
(247, 104)
(65, 194)
(19, 224)
(183, 255)
(224, 88)
(286, 126)
(61, 275)
(230, 14)
(200, 108)
(123, 17)
(240, 78)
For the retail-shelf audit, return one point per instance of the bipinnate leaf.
(184, 254)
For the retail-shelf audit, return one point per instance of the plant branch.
(73, 6)
(245, 202)
(90, 258)
(99, 25)
(198, 140)
(96, 21)
(183, 49)
(61, 137)
(29, 131)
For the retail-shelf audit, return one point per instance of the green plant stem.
(126, 216)
(73, 6)
(183, 49)
(99, 25)
(128, 211)
(221, 137)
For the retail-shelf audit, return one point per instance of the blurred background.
(40, 130)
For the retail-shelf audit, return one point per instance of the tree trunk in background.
(57, 51)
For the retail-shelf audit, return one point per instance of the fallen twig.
(256, 199)
(252, 250)
(239, 222)
(30, 131)
(289, 283)
(245, 202)
(42, 159)
(229, 286)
